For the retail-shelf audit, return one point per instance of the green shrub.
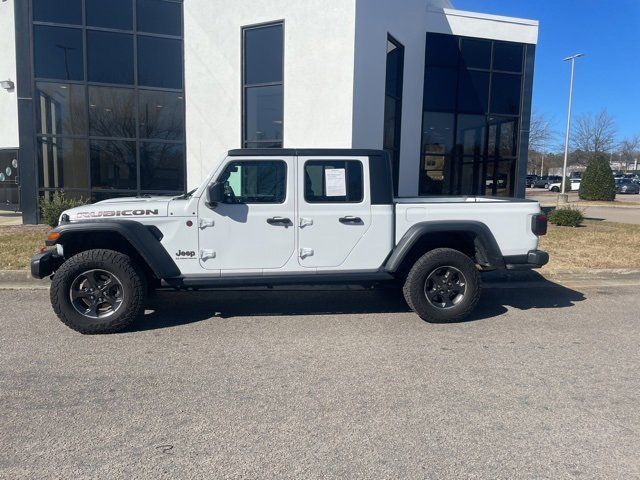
(597, 181)
(52, 208)
(566, 217)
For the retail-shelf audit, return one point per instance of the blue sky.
(607, 31)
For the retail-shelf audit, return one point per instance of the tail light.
(539, 224)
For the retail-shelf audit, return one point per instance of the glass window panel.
(161, 115)
(112, 112)
(391, 122)
(263, 52)
(97, 196)
(110, 14)
(489, 182)
(440, 89)
(160, 62)
(505, 93)
(159, 16)
(162, 166)
(475, 53)
(508, 56)
(437, 135)
(58, 11)
(472, 130)
(263, 113)
(113, 164)
(110, 57)
(467, 179)
(442, 50)
(504, 178)
(62, 163)
(395, 67)
(61, 109)
(315, 185)
(503, 136)
(255, 182)
(473, 91)
(268, 144)
(58, 53)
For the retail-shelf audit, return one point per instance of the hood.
(130, 208)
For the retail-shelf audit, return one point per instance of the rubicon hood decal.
(118, 213)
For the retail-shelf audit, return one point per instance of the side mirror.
(215, 194)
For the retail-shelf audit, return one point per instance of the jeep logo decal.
(183, 254)
(117, 213)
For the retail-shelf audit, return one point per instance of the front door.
(253, 228)
(334, 209)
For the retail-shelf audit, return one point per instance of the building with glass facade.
(144, 97)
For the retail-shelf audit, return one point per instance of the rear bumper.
(44, 264)
(533, 259)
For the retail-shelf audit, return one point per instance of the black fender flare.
(144, 239)
(483, 238)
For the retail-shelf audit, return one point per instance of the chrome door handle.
(279, 221)
(351, 220)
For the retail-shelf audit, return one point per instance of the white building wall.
(405, 20)
(318, 76)
(8, 99)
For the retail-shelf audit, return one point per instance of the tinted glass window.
(503, 136)
(113, 164)
(263, 52)
(440, 89)
(505, 93)
(160, 62)
(58, 11)
(255, 182)
(475, 53)
(395, 68)
(508, 56)
(392, 118)
(61, 109)
(161, 115)
(473, 91)
(110, 57)
(62, 163)
(437, 137)
(58, 53)
(162, 166)
(263, 113)
(471, 134)
(159, 16)
(110, 14)
(442, 50)
(347, 172)
(112, 112)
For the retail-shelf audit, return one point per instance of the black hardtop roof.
(306, 152)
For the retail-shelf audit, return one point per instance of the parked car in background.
(626, 185)
(557, 186)
(531, 179)
(544, 182)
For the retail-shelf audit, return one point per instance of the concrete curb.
(22, 280)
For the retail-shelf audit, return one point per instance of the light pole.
(566, 140)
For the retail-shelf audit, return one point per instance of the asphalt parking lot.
(541, 383)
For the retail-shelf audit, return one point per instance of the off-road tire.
(430, 262)
(121, 266)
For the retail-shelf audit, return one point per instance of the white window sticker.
(335, 180)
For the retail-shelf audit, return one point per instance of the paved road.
(542, 383)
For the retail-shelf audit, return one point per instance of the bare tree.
(630, 150)
(594, 134)
(540, 136)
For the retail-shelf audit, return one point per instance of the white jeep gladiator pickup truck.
(283, 217)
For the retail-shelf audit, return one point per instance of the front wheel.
(555, 189)
(98, 291)
(443, 286)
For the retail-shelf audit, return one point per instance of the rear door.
(334, 208)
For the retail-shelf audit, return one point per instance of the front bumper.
(44, 264)
(533, 259)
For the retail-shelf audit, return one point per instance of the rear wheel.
(98, 291)
(443, 286)
(555, 189)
